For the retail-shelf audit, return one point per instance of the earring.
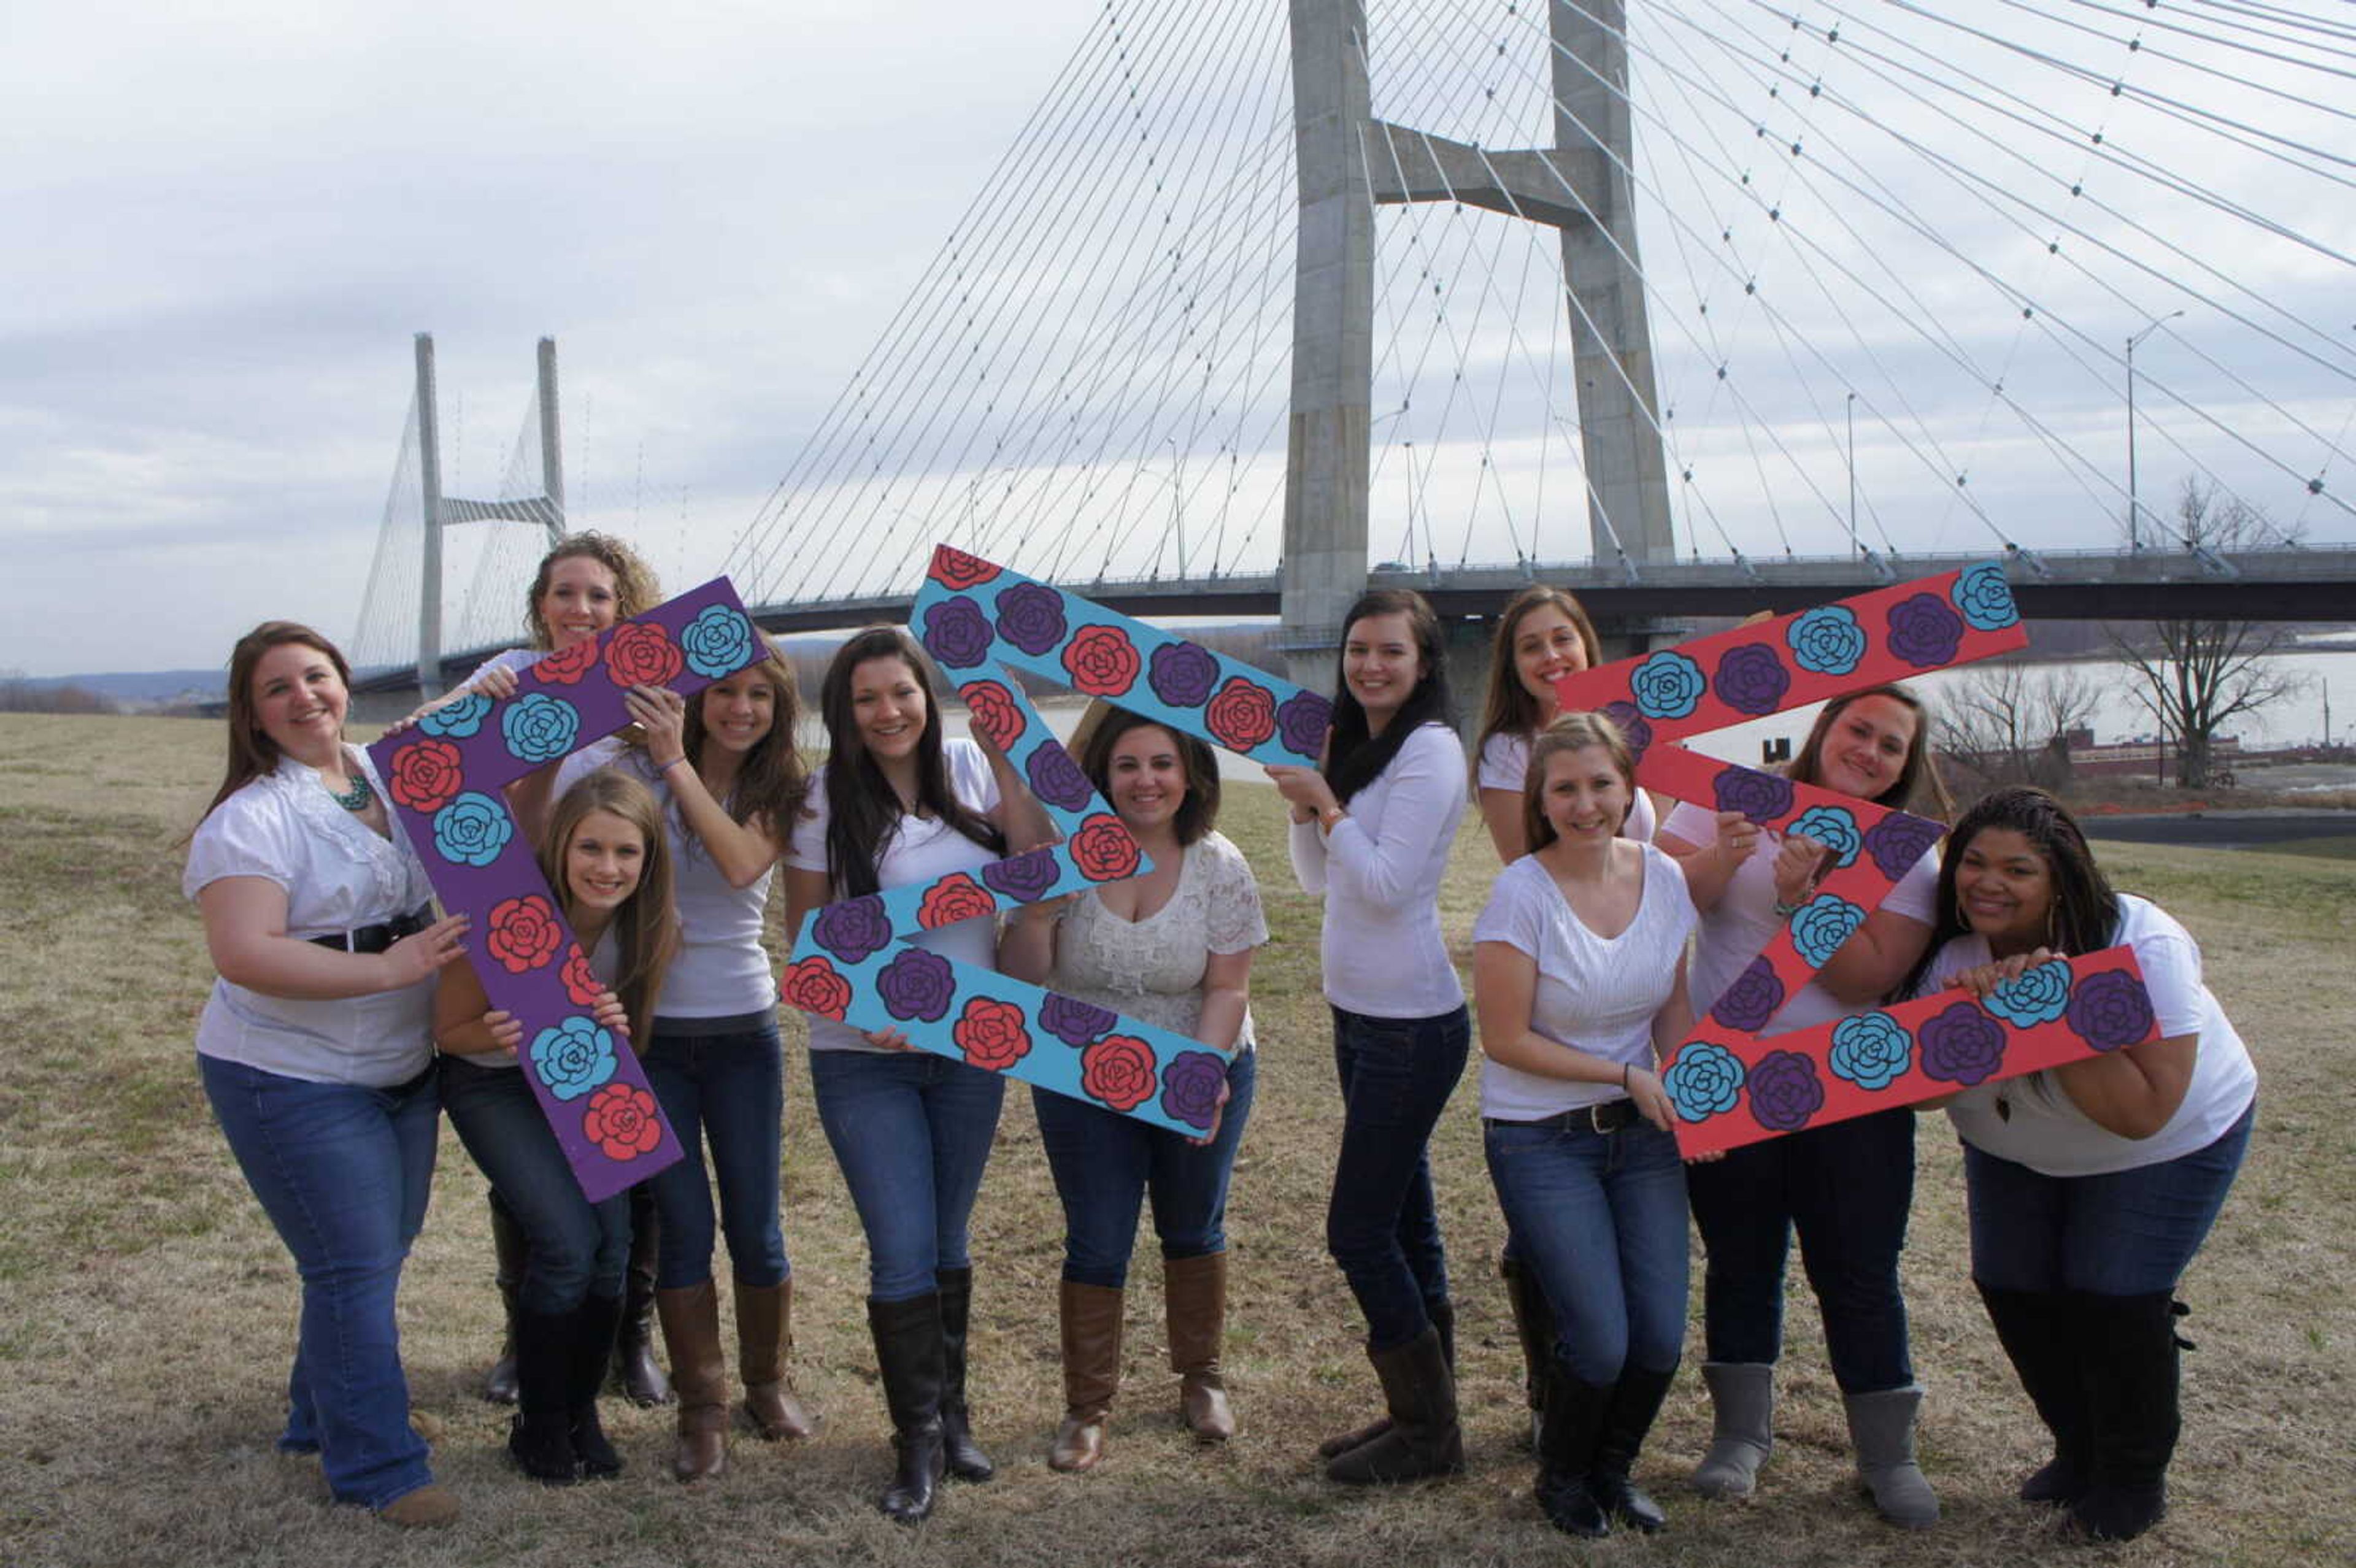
(2053, 926)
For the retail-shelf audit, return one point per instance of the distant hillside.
(137, 688)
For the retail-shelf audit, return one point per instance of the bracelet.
(1624, 1078)
(674, 763)
(1786, 911)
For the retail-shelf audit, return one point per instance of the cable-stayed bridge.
(1695, 308)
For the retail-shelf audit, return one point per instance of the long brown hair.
(770, 780)
(646, 928)
(862, 810)
(1199, 810)
(1571, 733)
(2085, 913)
(252, 753)
(636, 588)
(1509, 708)
(1353, 759)
(1918, 785)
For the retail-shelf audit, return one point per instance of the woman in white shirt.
(2093, 1185)
(1372, 830)
(316, 1048)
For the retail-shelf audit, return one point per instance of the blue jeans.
(1601, 1218)
(723, 1083)
(1381, 1225)
(1847, 1187)
(2130, 1232)
(912, 1132)
(1105, 1164)
(344, 1173)
(578, 1249)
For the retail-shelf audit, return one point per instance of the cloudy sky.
(227, 221)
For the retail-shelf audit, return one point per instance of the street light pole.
(2134, 540)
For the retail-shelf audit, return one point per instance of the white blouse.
(1151, 969)
(339, 875)
(1505, 764)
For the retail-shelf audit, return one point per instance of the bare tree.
(2194, 676)
(2010, 721)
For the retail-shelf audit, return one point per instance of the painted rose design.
(1182, 674)
(1898, 840)
(458, 720)
(1242, 715)
(1635, 727)
(916, 984)
(1823, 924)
(1705, 1081)
(472, 830)
(538, 728)
(2033, 996)
(1101, 661)
(1784, 1091)
(718, 642)
(1826, 641)
(1056, 779)
(582, 987)
(991, 1034)
(852, 929)
(642, 654)
(996, 712)
(1754, 997)
(1961, 1045)
(1750, 678)
(1833, 827)
(1924, 631)
(573, 1057)
(1117, 1070)
(622, 1122)
(954, 569)
(1023, 878)
(427, 774)
(1668, 684)
(567, 665)
(1074, 1022)
(1189, 1088)
(1871, 1051)
(813, 986)
(1031, 616)
(524, 933)
(2110, 1010)
(1104, 850)
(1764, 798)
(954, 898)
(1302, 722)
(957, 633)
(1984, 597)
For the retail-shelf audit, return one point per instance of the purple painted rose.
(957, 633)
(1754, 997)
(1961, 1045)
(1898, 840)
(2110, 1010)
(1302, 723)
(1750, 678)
(1189, 1088)
(853, 929)
(1023, 878)
(916, 984)
(1056, 779)
(1182, 674)
(1031, 616)
(1784, 1091)
(1074, 1022)
(1635, 726)
(1762, 797)
(1925, 631)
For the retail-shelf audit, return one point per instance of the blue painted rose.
(1668, 684)
(472, 830)
(957, 633)
(457, 720)
(1871, 1051)
(573, 1057)
(1827, 641)
(539, 728)
(1823, 924)
(718, 642)
(2035, 995)
(1833, 827)
(1984, 597)
(1705, 1081)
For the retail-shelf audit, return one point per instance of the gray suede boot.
(1881, 1425)
(1743, 1429)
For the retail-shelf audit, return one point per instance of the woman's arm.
(1227, 996)
(743, 850)
(1501, 813)
(246, 931)
(1026, 942)
(1505, 985)
(2134, 1092)
(1708, 867)
(805, 890)
(1382, 868)
(1018, 813)
(464, 1023)
(1875, 959)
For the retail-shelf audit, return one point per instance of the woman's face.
(1380, 664)
(740, 710)
(2005, 888)
(887, 703)
(603, 860)
(1584, 796)
(1865, 750)
(299, 700)
(1146, 777)
(582, 601)
(1547, 646)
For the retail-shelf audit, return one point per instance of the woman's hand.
(610, 1014)
(1304, 790)
(507, 1029)
(886, 1038)
(417, 955)
(1652, 1100)
(1219, 1115)
(661, 713)
(1797, 864)
(1737, 837)
(1980, 979)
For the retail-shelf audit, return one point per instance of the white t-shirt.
(919, 850)
(1152, 969)
(2046, 1131)
(1505, 764)
(1744, 921)
(338, 876)
(1380, 871)
(1595, 993)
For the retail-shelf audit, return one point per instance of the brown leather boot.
(691, 1325)
(1194, 1300)
(1423, 1438)
(1091, 1317)
(513, 1251)
(764, 1340)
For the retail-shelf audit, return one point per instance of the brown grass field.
(149, 1309)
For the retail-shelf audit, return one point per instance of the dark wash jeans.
(579, 1249)
(1381, 1225)
(912, 1132)
(721, 1082)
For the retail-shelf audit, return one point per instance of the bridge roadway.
(2303, 584)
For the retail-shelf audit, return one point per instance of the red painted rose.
(1119, 1071)
(813, 986)
(622, 1121)
(523, 933)
(996, 712)
(582, 989)
(1242, 715)
(427, 776)
(954, 898)
(991, 1034)
(954, 569)
(1104, 849)
(642, 654)
(1101, 661)
(567, 667)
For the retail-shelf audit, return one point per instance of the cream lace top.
(1151, 969)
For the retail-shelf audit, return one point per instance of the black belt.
(1610, 1117)
(377, 938)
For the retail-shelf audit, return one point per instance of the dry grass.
(150, 1309)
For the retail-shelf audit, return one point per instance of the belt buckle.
(1607, 1118)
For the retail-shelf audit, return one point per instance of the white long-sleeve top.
(1380, 871)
